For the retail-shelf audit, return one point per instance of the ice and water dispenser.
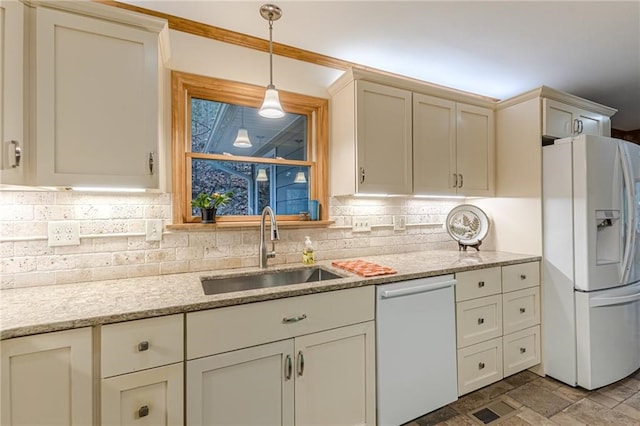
(608, 244)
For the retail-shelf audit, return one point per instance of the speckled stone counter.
(36, 310)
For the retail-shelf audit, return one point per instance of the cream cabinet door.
(384, 139)
(253, 386)
(475, 150)
(335, 377)
(47, 379)
(149, 397)
(97, 118)
(434, 145)
(561, 120)
(12, 81)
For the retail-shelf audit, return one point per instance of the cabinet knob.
(480, 284)
(143, 346)
(480, 321)
(523, 277)
(143, 411)
(480, 365)
(523, 310)
(523, 350)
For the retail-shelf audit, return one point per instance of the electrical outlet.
(64, 233)
(399, 223)
(361, 224)
(154, 229)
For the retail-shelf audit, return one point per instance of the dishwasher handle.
(423, 288)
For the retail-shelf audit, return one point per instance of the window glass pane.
(255, 185)
(216, 129)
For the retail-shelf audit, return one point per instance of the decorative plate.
(468, 225)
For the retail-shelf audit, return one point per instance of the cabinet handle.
(575, 126)
(17, 152)
(523, 310)
(580, 126)
(523, 277)
(480, 321)
(151, 163)
(480, 284)
(300, 363)
(143, 411)
(480, 365)
(361, 174)
(289, 320)
(523, 350)
(143, 346)
(461, 181)
(455, 180)
(289, 367)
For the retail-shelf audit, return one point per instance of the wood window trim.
(184, 86)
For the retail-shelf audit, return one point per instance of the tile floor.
(545, 401)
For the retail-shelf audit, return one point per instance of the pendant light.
(300, 177)
(262, 175)
(242, 140)
(271, 107)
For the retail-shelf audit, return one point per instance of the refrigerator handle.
(629, 245)
(608, 301)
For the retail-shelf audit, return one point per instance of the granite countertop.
(34, 310)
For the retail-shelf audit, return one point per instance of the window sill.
(230, 225)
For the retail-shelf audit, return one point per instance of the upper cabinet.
(371, 146)
(561, 120)
(398, 136)
(453, 147)
(93, 97)
(12, 91)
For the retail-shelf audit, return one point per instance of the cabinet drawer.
(478, 320)
(141, 344)
(521, 309)
(234, 327)
(480, 283)
(521, 350)
(479, 365)
(517, 277)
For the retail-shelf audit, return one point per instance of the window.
(283, 165)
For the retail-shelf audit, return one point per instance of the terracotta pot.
(208, 215)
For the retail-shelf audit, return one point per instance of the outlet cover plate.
(399, 223)
(154, 230)
(64, 233)
(361, 224)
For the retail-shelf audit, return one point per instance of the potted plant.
(209, 203)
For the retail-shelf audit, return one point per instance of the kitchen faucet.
(264, 254)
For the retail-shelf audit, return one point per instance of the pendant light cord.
(270, 53)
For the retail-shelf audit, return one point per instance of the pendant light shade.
(242, 140)
(300, 178)
(262, 175)
(271, 107)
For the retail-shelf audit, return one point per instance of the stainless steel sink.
(212, 285)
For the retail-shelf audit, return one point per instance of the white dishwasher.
(415, 348)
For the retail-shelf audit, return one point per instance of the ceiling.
(497, 49)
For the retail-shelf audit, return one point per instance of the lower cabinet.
(47, 379)
(498, 323)
(152, 397)
(300, 360)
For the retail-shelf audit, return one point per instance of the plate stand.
(463, 247)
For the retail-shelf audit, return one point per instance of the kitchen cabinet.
(142, 371)
(371, 139)
(453, 147)
(302, 360)
(498, 323)
(47, 379)
(561, 120)
(13, 91)
(97, 120)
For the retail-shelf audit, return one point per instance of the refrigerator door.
(608, 335)
(600, 186)
(631, 154)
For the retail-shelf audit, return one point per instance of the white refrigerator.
(591, 267)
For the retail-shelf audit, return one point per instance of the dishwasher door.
(415, 348)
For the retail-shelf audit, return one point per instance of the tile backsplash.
(113, 243)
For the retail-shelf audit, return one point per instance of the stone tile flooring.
(542, 401)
